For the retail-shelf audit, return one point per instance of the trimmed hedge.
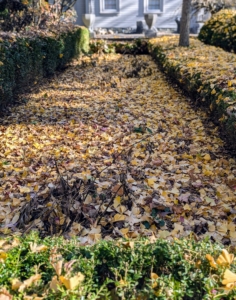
(25, 60)
(207, 73)
(55, 268)
(220, 30)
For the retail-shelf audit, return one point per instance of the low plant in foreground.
(55, 268)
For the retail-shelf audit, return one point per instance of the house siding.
(130, 12)
(80, 9)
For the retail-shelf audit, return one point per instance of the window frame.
(109, 11)
(153, 11)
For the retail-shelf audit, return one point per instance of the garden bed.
(111, 154)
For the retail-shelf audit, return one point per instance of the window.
(109, 6)
(153, 6)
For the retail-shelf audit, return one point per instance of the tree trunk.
(185, 24)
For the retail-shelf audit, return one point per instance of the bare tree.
(185, 24)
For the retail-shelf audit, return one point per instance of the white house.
(126, 13)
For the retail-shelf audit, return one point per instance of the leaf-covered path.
(120, 115)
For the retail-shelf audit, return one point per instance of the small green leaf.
(146, 224)
(161, 223)
(149, 130)
(139, 129)
(154, 212)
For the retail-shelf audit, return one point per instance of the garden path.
(119, 113)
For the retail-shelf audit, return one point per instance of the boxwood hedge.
(220, 30)
(55, 268)
(207, 74)
(25, 60)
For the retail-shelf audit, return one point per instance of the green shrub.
(26, 60)
(220, 30)
(139, 269)
(207, 74)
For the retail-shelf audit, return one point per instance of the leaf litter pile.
(110, 149)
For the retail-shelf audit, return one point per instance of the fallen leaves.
(21, 286)
(178, 178)
(229, 280)
(5, 295)
(73, 282)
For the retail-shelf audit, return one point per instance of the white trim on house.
(148, 6)
(104, 10)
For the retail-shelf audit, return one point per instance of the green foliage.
(24, 61)
(220, 30)
(136, 47)
(137, 269)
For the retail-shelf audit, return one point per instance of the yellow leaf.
(16, 201)
(15, 284)
(3, 255)
(57, 262)
(124, 230)
(71, 135)
(150, 182)
(187, 156)
(29, 282)
(207, 157)
(154, 278)
(207, 172)
(129, 244)
(121, 209)
(54, 284)
(175, 191)
(24, 189)
(229, 278)
(225, 259)
(117, 201)
(213, 92)
(211, 261)
(134, 162)
(73, 282)
(35, 248)
(118, 218)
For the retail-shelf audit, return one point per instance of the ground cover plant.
(150, 268)
(220, 30)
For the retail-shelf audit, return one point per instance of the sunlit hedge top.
(220, 30)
